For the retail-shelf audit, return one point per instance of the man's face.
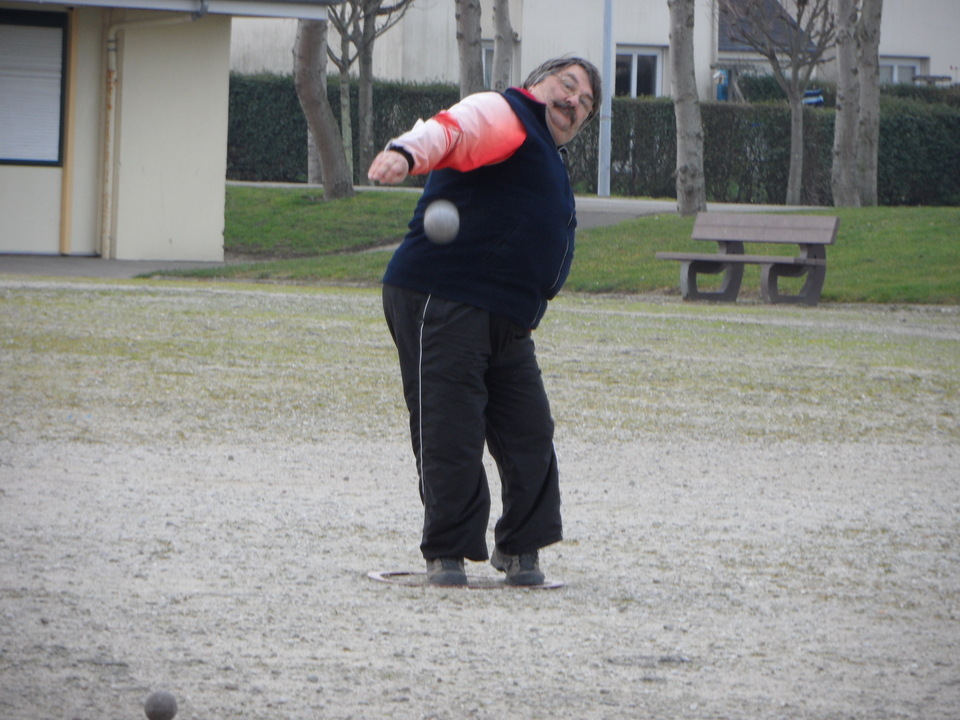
(569, 101)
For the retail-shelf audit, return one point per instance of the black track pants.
(470, 377)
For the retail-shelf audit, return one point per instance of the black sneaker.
(446, 571)
(522, 569)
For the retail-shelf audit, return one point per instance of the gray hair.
(552, 67)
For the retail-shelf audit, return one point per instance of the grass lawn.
(886, 254)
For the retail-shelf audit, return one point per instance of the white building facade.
(917, 40)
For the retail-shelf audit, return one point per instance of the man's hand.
(389, 168)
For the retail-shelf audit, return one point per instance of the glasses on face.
(571, 86)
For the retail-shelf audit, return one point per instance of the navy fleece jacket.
(517, 227)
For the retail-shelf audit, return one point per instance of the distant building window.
(487, 55)
(487, 47)
(32, 51)
(638, 72)
(894, 71)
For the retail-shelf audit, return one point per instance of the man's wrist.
(406, 154)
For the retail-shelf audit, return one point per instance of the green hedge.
(746, 146)
(919, 160)
(267, 131)
(746, 152)
(759, 88)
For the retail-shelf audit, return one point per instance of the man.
(461, 314)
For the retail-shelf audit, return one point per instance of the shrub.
(746, 146)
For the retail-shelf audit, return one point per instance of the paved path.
(592, 212)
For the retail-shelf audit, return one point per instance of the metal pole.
(606, 104)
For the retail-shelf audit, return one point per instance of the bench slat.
(742, 259)
(766, 228)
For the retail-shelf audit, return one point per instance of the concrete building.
(113, 124)
(917, 40)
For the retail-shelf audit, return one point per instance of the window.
(32, 52)
(899, 70)
(638, 72)
(487, 55)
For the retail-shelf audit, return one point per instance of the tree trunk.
(868, 139)
(795, 174)
(314, 163)
(691, 185)
(365, 101)
(346, 117)
(471, 49)
(843, 178)
(502, 46)
(309, 63)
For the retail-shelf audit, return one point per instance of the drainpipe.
(69, 120)
(714, 33)
(606, 102)
(107, 240)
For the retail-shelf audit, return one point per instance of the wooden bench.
(811, 233)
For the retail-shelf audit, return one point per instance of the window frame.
(895, 64)
(56, 20)
(636, 51)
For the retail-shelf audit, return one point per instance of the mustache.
(566, 108)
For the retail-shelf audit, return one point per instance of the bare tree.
(868, 131)
(358, 24)
(843, 178)
(793, 46)
(309, 78)
(345, 19)
(379, 16)
(469, 44)
(503, 44)
(691, 185)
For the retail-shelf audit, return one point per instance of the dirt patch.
(761, 514)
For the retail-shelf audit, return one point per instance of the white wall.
(923, 28)
(262, 45)
(576, 27)
(424, 47)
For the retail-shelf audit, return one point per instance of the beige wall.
(30, 209)
(83, 229)
(170, 146)
(30, 197)
(172, 140)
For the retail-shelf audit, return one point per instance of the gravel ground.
(761, 504)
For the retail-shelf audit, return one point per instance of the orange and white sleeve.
(482, 129)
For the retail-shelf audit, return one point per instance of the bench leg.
(809, 293)
(729, 287)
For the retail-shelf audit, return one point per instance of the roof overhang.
(304, 9)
